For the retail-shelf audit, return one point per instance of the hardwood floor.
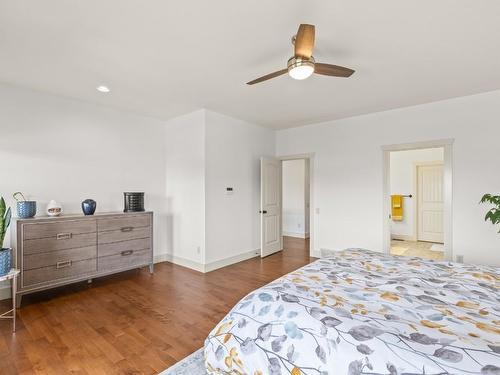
(132, 323)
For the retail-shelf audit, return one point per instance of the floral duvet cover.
(363, 312)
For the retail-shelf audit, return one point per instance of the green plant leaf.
(2, 207)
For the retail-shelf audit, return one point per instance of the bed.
(363, 312)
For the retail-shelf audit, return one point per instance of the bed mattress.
(363, 312)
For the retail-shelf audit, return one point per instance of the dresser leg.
(151, 268)
(18, 298)
(89, 281)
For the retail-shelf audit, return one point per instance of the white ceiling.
(165, 58)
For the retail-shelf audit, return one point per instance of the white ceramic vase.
(54, 208)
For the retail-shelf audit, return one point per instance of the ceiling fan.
(302, 64)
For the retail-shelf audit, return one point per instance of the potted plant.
(5, 253)
(493, 214)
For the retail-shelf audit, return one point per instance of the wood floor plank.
(133, 322)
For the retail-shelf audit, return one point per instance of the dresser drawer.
(126, 259)
(43, 245)
(53, 273)
(53, 258)
(124, 223)
(115, 248)
(58, 229)
(128, 233)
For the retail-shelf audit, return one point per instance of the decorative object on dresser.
(89, 206)
(5, 253)
(25, 208)
(54, 208)
(133, 202)
(57, 251)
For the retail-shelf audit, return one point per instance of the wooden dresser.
(52, 252)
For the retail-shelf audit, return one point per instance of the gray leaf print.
(320, 352)
(265, 297)
(431, 300)
(264, 332)
(242, 323)
(316, 312)
(363, 333)
(274, 366)
(448, 355)
(422, 338)
(342, 312)
(279, 311)
(289, 298)
(219, 353)
(292, 330)
(330, 321)
(264, 310)
(355, 368)
(364, 349)
(490, 370)
(392, 369)
(248, 346)
(495, 348)
(277, 343)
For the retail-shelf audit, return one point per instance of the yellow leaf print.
(488, 328)
(258, 372)
(467, 304)
(227, 337)
(430, 324)
(446, 331)
(390, 296)
(223, 327)
(295, 371)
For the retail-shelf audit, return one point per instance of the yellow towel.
(397, 207)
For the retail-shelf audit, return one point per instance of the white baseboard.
(212, 266)
(403, 237)
(316, 254)
(296, 235)
(179, 261)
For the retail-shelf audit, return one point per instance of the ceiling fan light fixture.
(300, 67)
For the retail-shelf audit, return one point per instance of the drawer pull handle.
(127, 229)
(64, 236)
(127, 252)
(66, 263)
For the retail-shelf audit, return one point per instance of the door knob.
(263, 212)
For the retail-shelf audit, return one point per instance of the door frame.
(447, 145)
(309, 157)
(415, 189)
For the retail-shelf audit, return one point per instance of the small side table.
(11, 314)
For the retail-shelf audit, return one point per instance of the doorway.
(286, 201)
(417, 200)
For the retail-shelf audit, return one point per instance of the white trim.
(447, 145)
(179, 261)
(313, 227)
(203, 268)
(296, 235)
(5, 292)
(316, 254)
(212, 266)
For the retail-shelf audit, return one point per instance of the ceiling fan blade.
(332, 70)
(268, 76)
(304, 40)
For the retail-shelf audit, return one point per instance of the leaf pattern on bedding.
(362, 312)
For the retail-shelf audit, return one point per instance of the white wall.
(68, 150)
(233, 151)
(206, 152)
(348, 170)
(402, 177)
(185, 189)
(294, 198)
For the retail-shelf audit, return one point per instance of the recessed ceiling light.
(103, 89)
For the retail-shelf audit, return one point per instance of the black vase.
(89, 206)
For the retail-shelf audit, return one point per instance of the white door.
(430, 203)
(271, 239)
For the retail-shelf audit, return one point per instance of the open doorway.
(286, 201)
(417, 203)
